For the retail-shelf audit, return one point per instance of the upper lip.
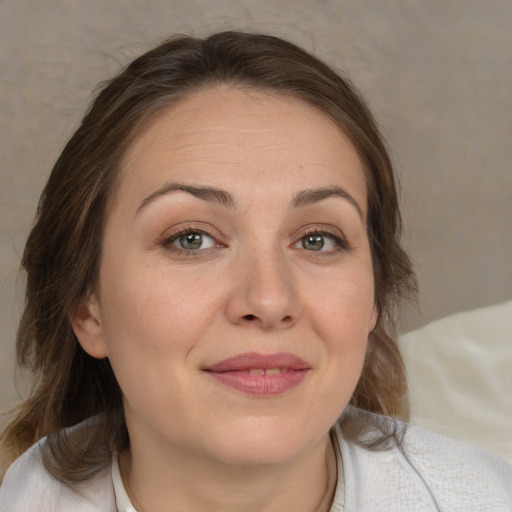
(253, 361)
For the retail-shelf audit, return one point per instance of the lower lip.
(260, 385)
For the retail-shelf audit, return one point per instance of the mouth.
(260, 374)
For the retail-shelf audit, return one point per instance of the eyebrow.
(314, 195)
(211, 194)
(215, 195)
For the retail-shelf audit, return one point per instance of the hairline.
(163, 104)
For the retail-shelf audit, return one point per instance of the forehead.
(228, 137)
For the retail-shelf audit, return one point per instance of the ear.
(86, 323)
(374, 317)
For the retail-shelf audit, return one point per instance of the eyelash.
(340, 243)
(167, 243)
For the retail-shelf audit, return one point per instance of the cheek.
(345, 304)
(343, 317)
(153, 311)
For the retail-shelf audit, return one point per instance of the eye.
(190, 241)
(320, 242)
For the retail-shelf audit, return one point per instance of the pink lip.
(235, 372)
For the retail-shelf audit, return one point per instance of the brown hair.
(63, 252)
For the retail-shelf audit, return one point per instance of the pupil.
(313, 242)
(191, 241)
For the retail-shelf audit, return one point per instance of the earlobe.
(86, 323)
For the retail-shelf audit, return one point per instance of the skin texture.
(163, 315)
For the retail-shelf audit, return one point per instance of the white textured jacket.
(429, 473)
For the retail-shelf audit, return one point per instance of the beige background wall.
(438, 74)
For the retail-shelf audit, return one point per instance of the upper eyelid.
(178, 234)
(192, 227)
(321, 229)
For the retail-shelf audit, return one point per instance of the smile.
(258, 374)
(270, 371)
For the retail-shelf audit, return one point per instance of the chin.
(264, 443)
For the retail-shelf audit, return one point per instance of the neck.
(305, 484)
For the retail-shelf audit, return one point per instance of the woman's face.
(236, 292)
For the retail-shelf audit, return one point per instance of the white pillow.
(460, 377)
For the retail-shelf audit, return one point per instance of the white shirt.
(430, 473)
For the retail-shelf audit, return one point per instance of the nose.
(264, 292)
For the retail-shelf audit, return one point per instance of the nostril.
(251, 318)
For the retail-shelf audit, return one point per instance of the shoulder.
(425, 471)
(29, 487)
(461, 475)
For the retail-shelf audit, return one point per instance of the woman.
(213, 281)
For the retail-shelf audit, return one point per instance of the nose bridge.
(265, 294)
(270, 281)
